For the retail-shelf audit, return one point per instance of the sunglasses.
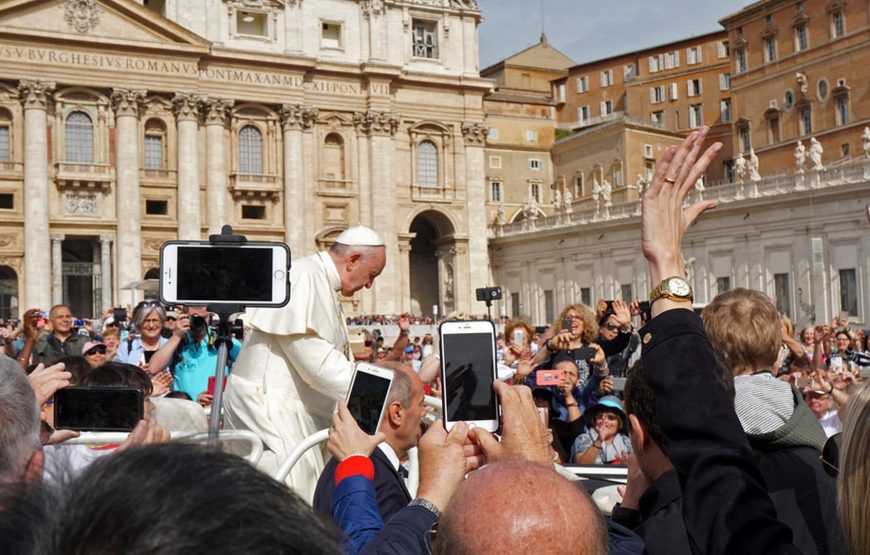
(612, 327)
(830, 456)
(96, 351)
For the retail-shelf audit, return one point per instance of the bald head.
(520, 507)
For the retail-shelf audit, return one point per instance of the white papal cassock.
(293, 368)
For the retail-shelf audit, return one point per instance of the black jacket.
(725, 505)
(390, 490)
(659, 518)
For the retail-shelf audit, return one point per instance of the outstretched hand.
(346, 438)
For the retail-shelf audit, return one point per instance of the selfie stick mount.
(224, 340)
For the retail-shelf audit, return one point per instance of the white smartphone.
(368, 394)
(468, 370)
(198, 273)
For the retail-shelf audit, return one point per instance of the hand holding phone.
(98, 409)
(367, 396)
(549, 377)
(346, 438)
(468, 372)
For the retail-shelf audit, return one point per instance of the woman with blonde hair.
(853, 478)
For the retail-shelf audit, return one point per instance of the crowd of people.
(738, 433)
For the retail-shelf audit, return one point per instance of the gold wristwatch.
(674, 288)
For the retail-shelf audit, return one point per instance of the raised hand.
(346, 438)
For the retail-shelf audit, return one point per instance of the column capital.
(376, 123)
(57, 237)
(474, 133)
(127, 102)
(186, 106)
(372, 7)
(106, 239)
(216, 111)
(297, 116)
(35, 94)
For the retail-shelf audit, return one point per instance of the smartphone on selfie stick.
(226, 274)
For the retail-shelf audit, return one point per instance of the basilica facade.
(124, 124)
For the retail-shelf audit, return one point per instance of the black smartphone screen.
(366, 400)
(224, 274)
(469, 371)
(98, 409)
(584, 353)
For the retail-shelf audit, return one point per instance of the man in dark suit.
(401, 426)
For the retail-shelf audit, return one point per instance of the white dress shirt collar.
(390, 453)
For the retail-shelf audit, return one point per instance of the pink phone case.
(548, 377)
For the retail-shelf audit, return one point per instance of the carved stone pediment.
(81, 15)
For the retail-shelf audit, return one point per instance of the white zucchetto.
(360, 236)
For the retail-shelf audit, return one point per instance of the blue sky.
(587, 30)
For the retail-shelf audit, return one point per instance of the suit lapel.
(387, 468)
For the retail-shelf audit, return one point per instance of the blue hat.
(608, 402)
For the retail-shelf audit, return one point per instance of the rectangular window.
(627, 293)
(745, 138)
(693, 86)
(534, 163)
(806, 121)
(728, 170)
(156, 207)
(495, 191)
(583, 115)
(656, 63)
(617, 177)
(252, 212)
(532, 136)
(5, 151)
(607, 78)
(629, 71)
(725, 110)
(515, 305)
(536, 191)
(770, 49)
(582, 83)
(722, 49)
(586, 296)
(693, 55)
(560, 93)
(495, 162)
(782, 293)
(425, 39)
(801, 39)
(7, 201)
(674, 92)
(658, 117)
(696, 115)
(657, 94)
(724, 81)
(578, 185)
(842, 104)
(844, 149)
(773, 135)
(606, 107)
(252, 23)
(672, 59)
(154, 152)
(849, 292)
(330, 35)
(723, 284)
(549, 306)
(740, 60)
(838, 24)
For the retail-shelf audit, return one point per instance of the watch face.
(679, 287)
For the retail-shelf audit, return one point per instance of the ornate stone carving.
(816, 152)
(80, 204)
(475, 133)
(297, 116)
(81, 15)
(216, 111)
(127, 102)
(381, 123)
(8, 240)
(185, 105)
(372, 7)
(35, 94)
(803, 83)
(263, 4)
(800, 156)
(152, 245)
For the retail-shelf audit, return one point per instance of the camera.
(119, 315)
(488, 293)
(197, 321)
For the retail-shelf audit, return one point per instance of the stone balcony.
(332, 187)
(432, 194)
(158, 177)
(255, 185)
(11, 170)
(75, 175)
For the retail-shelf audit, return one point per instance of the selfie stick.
(224, 340)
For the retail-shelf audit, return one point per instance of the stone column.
(126, 104)
(187, 116)
(373, 12)
(404, 264)
(381, 126)
(294, 119)
(216, 111)
(35, 96)
(475, 198)
(56, 268)
(105, 271)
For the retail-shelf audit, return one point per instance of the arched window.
(155, 144)
(5, 135)
(8, 293)
(79, 133)
(427, 164)
(250, 150)
(333, 157)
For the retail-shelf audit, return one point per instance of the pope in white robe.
(296, 362)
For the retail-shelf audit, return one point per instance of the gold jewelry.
(675, 288)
